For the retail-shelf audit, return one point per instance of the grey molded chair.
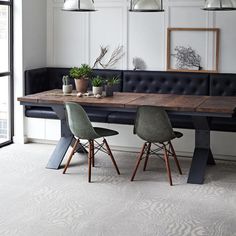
(153, 125)
(82, 128)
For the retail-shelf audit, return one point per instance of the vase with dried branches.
(116, 55)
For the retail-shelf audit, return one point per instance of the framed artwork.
(193, 49)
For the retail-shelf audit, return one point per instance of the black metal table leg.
(202, 152)
(61, 147)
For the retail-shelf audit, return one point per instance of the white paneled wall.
(67, 40)
(226, 22)
(182, 13)
(108, 27)
(30, 51)
(75, 38)
(147, 39)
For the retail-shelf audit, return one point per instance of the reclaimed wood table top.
(218, 104)
(57, 97)
(171, 102)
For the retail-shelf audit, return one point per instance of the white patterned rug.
(41, 202)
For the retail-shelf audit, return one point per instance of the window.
(6, 71)
(3, 129)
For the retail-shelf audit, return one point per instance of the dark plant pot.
(108, 91)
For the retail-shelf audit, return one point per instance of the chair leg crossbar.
(92, 150)
(146, 152)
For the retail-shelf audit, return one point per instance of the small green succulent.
(97, 81)
(113, 81)
(82, 72)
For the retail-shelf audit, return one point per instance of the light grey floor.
(38, 201)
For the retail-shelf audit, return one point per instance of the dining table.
(199, 108)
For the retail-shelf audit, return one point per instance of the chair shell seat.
(103, 132)
(178, 134)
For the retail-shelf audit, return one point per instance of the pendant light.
(220, 5)
(146, 6)
(78, 5)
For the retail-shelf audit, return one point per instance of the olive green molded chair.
(82, 128)
(153, 125)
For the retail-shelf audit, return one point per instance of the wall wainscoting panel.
(226, 23)
(66, 37)
(108, 27)
(147, 39)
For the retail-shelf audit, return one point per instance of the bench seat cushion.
(181, 121)
(128, 117)
(223, 124)
(48, 113)
(40, 112)
(124, 117)
(96, 115)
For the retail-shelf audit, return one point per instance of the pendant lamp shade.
(146, 5)
(220, 5)
(78, 5)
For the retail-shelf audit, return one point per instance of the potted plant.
(109, 87)
(81, 76)
(66, 87)
(97, 83)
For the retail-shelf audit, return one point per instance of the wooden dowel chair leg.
(139, 160)
(167, 165)
(89, 161)
(147, 156)
(175, 157)
(71, 155)
(93, 160)
(111, 156)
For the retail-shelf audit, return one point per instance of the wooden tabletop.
(218, 104)
(169, 101)
(57, 97)
(172, 102)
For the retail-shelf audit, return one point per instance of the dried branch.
(103, 52)
(116, 55)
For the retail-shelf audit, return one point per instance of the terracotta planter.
(81, 85)
(97, 90)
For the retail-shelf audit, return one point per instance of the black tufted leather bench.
(165, 82)
(38, 80)
(223, 85)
